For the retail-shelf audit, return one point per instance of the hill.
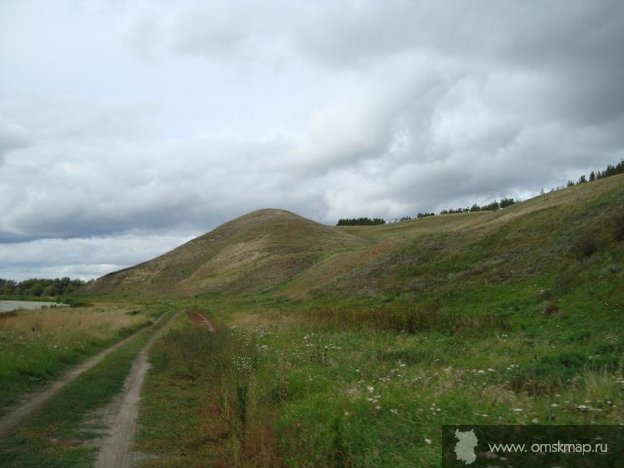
(557, 233)
(252, 252)
(298, 257)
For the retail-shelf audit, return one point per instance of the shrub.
(584, 246)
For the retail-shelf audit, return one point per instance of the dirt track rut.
(16, 415)
(121, 415)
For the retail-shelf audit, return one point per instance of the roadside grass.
(37, 346)
(219, 416)
(369, 381)
(55, 435)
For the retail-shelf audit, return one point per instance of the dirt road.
(14, 416)
(121, 415)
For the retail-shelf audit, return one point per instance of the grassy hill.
(253, 252)
(552, 234)
(296, 257)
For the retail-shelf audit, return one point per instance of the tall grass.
(35, 346)
(223, 408)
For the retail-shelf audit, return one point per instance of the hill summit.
(252, 252)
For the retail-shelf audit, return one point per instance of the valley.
(350, 345)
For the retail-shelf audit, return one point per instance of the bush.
(585, 246)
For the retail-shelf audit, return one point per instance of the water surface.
(7, 306)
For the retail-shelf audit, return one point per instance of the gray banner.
(534, 446)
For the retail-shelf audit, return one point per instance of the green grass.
(369, 381)
(218, 416)
(55, 435)
(37, 346)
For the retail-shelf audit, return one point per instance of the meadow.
(37, 346)
(370, 381)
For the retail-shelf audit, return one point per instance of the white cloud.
(85, 258)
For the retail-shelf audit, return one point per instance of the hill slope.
(278, 249)
(558, 233)
(253, 252)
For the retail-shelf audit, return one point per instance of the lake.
(7, 306)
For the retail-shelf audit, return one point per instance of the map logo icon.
(465, 446)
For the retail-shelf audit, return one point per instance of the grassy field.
(36, 346)
(365, 383)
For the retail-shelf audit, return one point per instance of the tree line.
(360, 221)
(495, 205)
(611, 170)
(40, 287)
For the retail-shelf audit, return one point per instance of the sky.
(129, 127)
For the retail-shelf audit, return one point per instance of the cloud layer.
(153, 121)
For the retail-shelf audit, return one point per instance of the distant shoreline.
(8, 306)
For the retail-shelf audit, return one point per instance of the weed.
(221, 386)
(554, 371)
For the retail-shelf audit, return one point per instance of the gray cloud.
(209, 31)
(12, 136)
(86, 258)
(166, 120)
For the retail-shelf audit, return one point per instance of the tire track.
(121, 415)
(16, 415)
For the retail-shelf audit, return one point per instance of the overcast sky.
(129, 127)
